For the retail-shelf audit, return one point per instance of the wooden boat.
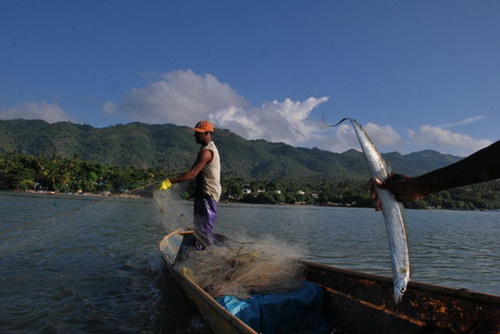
(172, 248)
(358, 302)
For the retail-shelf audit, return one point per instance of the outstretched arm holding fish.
(482, 166)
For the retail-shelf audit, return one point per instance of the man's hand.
(372, 183)
(164, 185)
(400, 185)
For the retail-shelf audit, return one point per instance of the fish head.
(400, 288)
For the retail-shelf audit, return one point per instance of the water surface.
(91, 265)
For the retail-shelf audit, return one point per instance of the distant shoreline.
(85, 194)
(148, 195)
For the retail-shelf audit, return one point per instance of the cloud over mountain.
(183, 97)
(50, 112)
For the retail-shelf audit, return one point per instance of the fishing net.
(236, 266)
(243, 266)
(176, 211)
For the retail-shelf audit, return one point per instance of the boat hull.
(357, 302)
(219, 318)
(362, 303)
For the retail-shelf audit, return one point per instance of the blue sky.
(417, 74)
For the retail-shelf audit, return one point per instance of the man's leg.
(205, 214)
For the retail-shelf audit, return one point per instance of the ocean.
(82, 264)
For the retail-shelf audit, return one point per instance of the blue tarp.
(284, 312)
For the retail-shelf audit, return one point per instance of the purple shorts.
(205, 214)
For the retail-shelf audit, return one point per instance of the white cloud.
(383, 135)
(109, 108)
(180, 97)
(184, 97)
(286, 121)
(445, 141)
(465, 121)
(36, 110)
(342, 137)
(386, 138)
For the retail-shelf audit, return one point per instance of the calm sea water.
(72, 264)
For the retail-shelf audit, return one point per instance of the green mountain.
(173, 148)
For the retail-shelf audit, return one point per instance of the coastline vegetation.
(22, 172)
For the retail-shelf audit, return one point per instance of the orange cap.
(204, 126)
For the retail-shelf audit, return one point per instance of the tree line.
(60, 174)
(72, 175)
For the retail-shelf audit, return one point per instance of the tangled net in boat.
(242, 267)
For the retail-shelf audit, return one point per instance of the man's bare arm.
(482, 166)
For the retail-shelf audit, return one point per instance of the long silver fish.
(393, 211)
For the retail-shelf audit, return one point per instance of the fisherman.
(482, 166)
(206, 172)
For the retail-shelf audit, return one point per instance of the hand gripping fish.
(393, 211)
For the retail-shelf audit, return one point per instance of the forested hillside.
(72, 158)
(173, 148)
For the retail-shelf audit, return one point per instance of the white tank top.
(211, 173)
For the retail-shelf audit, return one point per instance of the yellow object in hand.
(164, 185)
